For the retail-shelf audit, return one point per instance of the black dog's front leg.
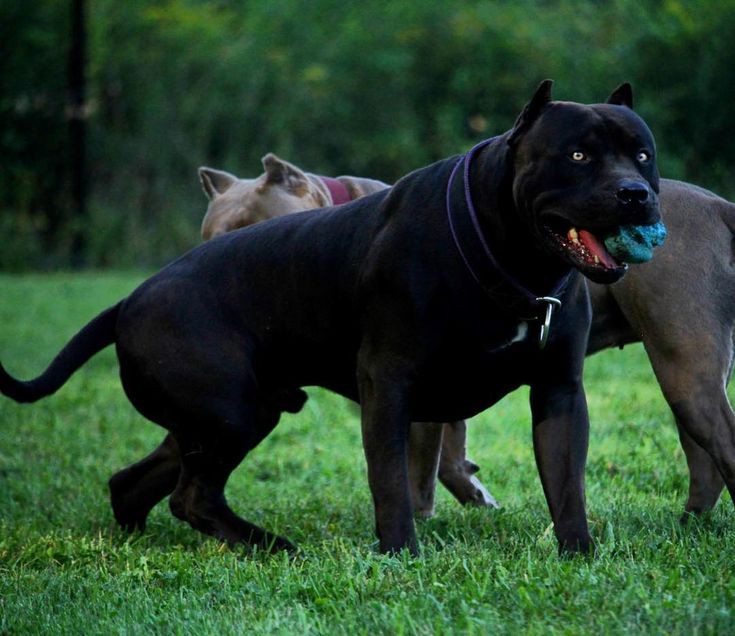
(385, 422)
(560, 438)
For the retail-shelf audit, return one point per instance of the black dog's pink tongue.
(597, 249)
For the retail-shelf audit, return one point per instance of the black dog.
(428, 302)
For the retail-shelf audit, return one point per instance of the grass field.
(65, 568)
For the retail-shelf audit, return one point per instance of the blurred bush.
(374, 88)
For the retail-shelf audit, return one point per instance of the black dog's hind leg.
(210, 451)
(135, 490)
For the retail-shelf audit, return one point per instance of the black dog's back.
(227, 299)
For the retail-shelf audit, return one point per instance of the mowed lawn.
(65, 568)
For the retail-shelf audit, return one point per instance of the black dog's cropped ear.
(532, 110)
(622, 96)
(280, 172)
(215, 182)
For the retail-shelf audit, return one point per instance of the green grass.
(65, 568)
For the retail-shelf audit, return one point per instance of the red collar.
(338, 190)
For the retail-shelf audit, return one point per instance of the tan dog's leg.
(457, 473)
(441, 449)
(705, 481)
(424, 448)
(704, 417)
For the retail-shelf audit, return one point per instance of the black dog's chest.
(519, 333)
(466, 377)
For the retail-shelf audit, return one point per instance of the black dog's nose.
(633, 193)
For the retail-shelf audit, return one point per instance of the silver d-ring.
(551, 304)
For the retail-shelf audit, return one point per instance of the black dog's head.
(580, 173)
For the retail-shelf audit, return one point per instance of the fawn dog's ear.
(278, 171)
(215, 182)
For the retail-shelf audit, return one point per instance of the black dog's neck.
(512, 242)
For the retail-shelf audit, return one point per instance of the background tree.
(373, 88)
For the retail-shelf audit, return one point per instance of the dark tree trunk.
(77, 121)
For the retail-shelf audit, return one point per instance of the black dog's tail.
(95, 336)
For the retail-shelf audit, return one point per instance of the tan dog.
(284, 188)
(281, 189)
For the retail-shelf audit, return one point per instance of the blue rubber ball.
(635, 243)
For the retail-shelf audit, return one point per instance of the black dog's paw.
(399, 545)
(131, 525)
(577, 546)
(267, 542)
(694, 517)
(129, 517)
(127, 520)
(281, 544)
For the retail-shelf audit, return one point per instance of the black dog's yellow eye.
(643, 156)
(578, 155)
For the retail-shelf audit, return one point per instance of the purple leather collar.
(470, 241)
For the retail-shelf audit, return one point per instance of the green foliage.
(34, 181)
(372, 88)
(66, 568)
